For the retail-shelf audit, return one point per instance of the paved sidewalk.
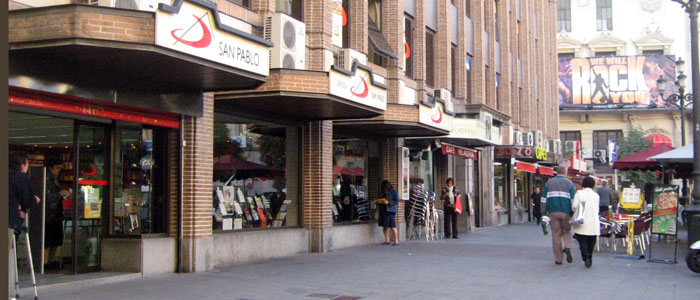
(494, 263)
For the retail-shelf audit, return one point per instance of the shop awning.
(545, 170)
(680, 155)
(385, 128)
(354, 172)
(658, 139)
(641, 160)
(381, 44)
(523, 166)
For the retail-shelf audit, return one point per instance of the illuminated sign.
(540, 153)
(194, 28)
(614, 82)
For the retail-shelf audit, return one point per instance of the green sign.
(665, 209)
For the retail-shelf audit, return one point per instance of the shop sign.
(340, 20)
(195, 29)
(359, 87)
(516, 151)
(448, 149)
(665, 209)
(607, 82)
(435, 116)
(474, 129)
(540, 153)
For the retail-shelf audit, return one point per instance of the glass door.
(92, 194)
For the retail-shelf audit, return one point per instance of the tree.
(630, 144)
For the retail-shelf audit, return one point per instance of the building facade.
(204, 133)
(630, 44)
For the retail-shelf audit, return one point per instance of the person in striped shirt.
(559, 191)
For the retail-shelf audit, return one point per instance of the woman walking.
(587, 233)
(388, 205)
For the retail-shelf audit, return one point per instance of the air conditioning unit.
(539, 138)
(557, 146)
(347, 56)
(146, 5)
(570, 147)
(530, 139)
(600, 154)
(289, 37)
(518, 138)
(547, 145)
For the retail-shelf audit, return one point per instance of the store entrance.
(69, 168)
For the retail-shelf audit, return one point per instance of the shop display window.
(350, 178)
(521, 197)
(421, 169)
(255, 174)
(499, 183)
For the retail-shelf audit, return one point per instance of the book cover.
(237, 223)
(263, 218)
(241, 198)
(258, 202)
(248, 215)
(265, 202)
(229, 193)
(220, 195)
(277, 223)
(228, 224)
(237, 208)
(251, 202)
(255, 215)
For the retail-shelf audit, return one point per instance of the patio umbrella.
(681, 160)
(244, 169)
(641, 161)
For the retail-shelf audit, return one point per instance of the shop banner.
(359, 86)
(665, 209)
(195, 29)
(467, 153)
(405, 183)
(607, 82)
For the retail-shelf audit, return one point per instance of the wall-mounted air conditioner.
(518, 138)
(347, 56)
(570, 147)
(557, 146)
(446, 95)
(289, 37)
(530, 139)
(600, 154)
(539, 138)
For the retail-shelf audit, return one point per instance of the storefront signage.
(435, 116)
(474, 129)
(540, 153)
(516, 152)
(340, 20)
(194, 28)
(358, 86)
(448, 149)
(665, 209)
(606, 82)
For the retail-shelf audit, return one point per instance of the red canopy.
(356, 171)
(658, 139)
(641, 161)
(245, 169)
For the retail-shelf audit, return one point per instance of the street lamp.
(691, 7)
(682, 101)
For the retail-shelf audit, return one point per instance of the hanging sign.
(435, 116)
(467, 153)
(665, 210)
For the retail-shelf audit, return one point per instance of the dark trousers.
(450, 222)
(602, 208)
(587, 244)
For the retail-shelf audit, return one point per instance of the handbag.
(577, 218)
(458, 204)
(382, 201)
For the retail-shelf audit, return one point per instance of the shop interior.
(350, 181)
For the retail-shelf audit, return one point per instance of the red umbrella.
(658, 139)
(641, 160)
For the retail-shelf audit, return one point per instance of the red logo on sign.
(201, 43)
(364, 92)
(437, 115)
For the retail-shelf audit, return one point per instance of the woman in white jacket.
(587, 233)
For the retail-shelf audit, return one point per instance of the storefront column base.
(317, 240)
(197, 254)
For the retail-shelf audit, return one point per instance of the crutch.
(31, 264)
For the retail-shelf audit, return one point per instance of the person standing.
(387, 211)
(53, 229)
(277, 199)
(21, 198)
(606, 196)
(559, 191)
(449, 195)
(587, 233)
(535, 204)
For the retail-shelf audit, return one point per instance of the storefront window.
(499, 182)
(350, 181)
(521, 196)
(255, 174)
(421, 164)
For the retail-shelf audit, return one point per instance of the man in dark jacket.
(606, 196)
(21, 198)
(559, 192)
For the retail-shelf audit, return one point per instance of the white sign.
(360, 88)
(405, 174)
(193, 30)
(339, 21)
(474, 129)
(435, 116)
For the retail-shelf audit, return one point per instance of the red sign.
(525, 167)
(545, 170)
(93, 108)
(522, 152)
(459, 151)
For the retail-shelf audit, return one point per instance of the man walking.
(606, 196)
(559, 191)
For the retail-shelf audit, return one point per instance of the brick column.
(390, 152)
(317, 170)
(318, 16)
(358, 20)
(198, 166)
(443, 47)
(459, 91)
(393, 31)
(478, 73)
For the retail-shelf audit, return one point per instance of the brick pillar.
(443, 47)
(173, 162)
(459, 92)
(390, 152)
(198, 166)
(358, 20)
(418, 51)
(318, 16)
(317, 170)
(478, 73)
(393, 31)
